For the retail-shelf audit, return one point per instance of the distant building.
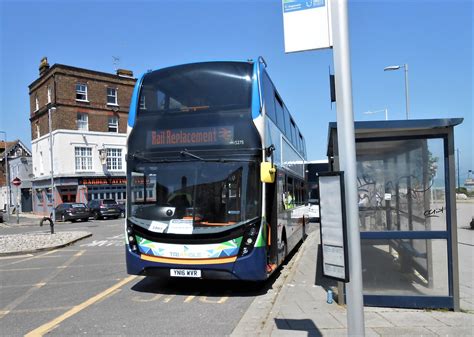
(313, 167)
(89, 111)
(15, 162)
(469, 182)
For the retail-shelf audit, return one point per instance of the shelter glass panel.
(405, 267)
(402, 185)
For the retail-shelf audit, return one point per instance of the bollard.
(329, 296)
(51, 223)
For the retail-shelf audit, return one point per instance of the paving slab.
(404, 331)
(372, 320)
(453, 319)
(454, 331)
(411, 319)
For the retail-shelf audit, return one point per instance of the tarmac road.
(84, 289)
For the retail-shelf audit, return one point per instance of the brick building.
(89, 111)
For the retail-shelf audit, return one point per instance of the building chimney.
(125, 73)
(44, 66)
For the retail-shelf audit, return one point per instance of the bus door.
(271, 197)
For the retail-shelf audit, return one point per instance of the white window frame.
(83, 158)
(113, 94)
(81, 89)
(49, 94)
(82, 121)
(113, 123)
(37, 106)
(114, 159)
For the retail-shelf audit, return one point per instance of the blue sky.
(435, 38)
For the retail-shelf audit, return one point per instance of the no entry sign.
(16, 181)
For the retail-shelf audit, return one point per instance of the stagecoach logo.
(221, 135)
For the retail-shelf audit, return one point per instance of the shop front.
(76, 190)
(103, 188)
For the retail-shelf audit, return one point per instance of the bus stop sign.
(16, 181)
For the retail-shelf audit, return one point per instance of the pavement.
(39, 238)
(297, 306)
(24, 220)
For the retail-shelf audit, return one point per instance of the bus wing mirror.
(267, 172)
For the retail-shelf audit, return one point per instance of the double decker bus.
(215, 173)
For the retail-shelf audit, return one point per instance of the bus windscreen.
(199, 87)
(193, 197)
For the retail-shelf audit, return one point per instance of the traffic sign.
(16, 181)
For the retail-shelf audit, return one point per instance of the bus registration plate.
(185, 272)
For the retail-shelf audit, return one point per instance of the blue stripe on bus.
(134, 103)
(255, 92)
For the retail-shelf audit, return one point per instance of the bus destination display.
(221, 135)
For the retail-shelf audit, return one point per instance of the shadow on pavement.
(298, 325)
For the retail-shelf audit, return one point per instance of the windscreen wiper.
(141, 157)
(189, 154)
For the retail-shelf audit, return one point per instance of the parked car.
(122, 206)
(104, 208)
(72, 211)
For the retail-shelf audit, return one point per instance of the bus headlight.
(249, 239)
(131, 240)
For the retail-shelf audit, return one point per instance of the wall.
(64, 143)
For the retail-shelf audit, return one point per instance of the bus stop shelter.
(407, 211)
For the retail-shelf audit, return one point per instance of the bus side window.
(279, 113)
(293, 133)
(287, 125)
(289, 194)
(300, 142)
(268, 94)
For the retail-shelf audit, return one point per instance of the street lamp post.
(50, 111)
(373, 112)
(404, 66)
(7, 178)
(459, 181)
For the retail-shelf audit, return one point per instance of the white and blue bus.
(215, 173)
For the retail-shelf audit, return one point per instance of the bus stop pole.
(347, 160)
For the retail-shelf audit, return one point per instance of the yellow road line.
(32, 257)
(37, 286)
(190, 298)
(12, 257)
(62, 267)
(3, 287)
(47, 327)
(30, 311)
